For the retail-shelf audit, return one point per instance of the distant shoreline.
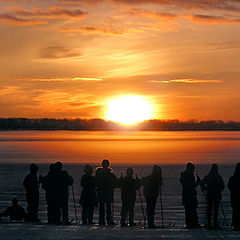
(50, 124)
(122, 130)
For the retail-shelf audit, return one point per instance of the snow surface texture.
(20, 231)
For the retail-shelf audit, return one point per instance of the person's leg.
(109, 213)
(84, 214)
(209, 212)
(188, 221)
(216, 207)
(131, 213)
(236, 218)
(32, 207)
(65, 211)
(90, 213)
(123, 213)
(101, 213)
(151, 203)
(194, 216)
(148, 209)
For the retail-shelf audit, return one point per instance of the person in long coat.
(106, 182)
(215, 186)
(63, 181)
(88, 198)
(189, 195)
(234, 187)
(31, 184)
(49, 184)
(151, 185)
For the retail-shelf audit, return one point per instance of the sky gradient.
(68, 58)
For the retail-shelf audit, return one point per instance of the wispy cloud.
(22, 17)
(52, 12)
(84, 79)
(186, 80)
(87, 79)
(13, 20)
(57, 52)
(93, 30)
(196, 18)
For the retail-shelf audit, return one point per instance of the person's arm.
(203, 182)
(198, 181)
(230, 183)
(121, 181)
(5, 213)
(222, 184)
(138, 183)
(23, 213)
(70, 180)
(115, 181)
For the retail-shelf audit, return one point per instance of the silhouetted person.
(15, 212)
(49, 184)
(105, 181)
(128, 185)
(189, 195)
(31, 184)
(151, 185)
(234, 187)
(88, 198)
(215, 186)
(63, 180)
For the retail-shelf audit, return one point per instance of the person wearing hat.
(189, 195)
(88, 196)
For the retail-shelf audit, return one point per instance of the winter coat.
(105, 181)
(88, 195)
(151, 186)
(63, 180)
(31, 184)
(234, 187)
(215, 186)
(49, 184)
(189, 193)
(129, 185)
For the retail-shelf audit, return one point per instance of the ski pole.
(205, 197)
(143, 213)
(224, 216)
(161, 203)
(74, 203)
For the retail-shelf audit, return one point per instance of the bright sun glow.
(129, 109)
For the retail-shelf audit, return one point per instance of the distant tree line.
(103, 125)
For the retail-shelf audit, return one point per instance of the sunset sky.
(68, 58)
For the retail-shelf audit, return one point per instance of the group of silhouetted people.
(213, 185)
(98, 191)
(56, 186)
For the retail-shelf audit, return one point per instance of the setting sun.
(129, 109)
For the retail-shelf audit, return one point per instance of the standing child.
(88, 195)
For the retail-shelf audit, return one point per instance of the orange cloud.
(149, 14)
(12, 20)
(206, 19)
(93, 30)
(52, 12)
(60, 79)
(187, 80)
(57, 52)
